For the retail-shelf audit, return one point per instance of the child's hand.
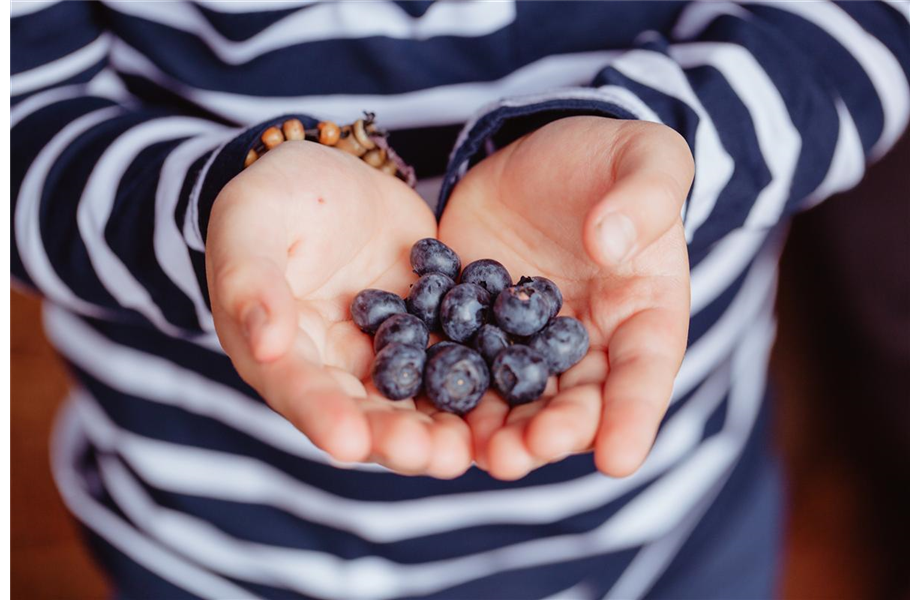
(291, 240)
(593, 204)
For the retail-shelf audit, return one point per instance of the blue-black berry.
(399, 371)
(456, 378)
(370, 308)
(489, 341)
(435, 348)
(521, 310)
(519, 374)
(488, 274)
(549, 290)
(562, 343)
(424, 299)
(401, 328)
(465, 309)
(428, 255)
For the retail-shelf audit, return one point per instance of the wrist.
(231, 159)
(362, 139)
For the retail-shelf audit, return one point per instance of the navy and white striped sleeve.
(782, 104)
(110, 196)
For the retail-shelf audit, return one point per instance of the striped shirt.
(129, 117)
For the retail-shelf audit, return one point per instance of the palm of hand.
(527, 206)
(300, 233)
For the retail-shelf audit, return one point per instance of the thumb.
(246, 260)
(654, 170)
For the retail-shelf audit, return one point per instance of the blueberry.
(549, 290)
(403, 329)
(431, 256)
(435, 348)
(487, 273)
(562, 343)
(465, 309)
(489, 341)
(370, 308)
(521, 310)
(399, 371)
(456, 378)
(424, 300)
(519, 374)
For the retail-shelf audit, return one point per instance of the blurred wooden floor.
(47, 561)
(847, 534)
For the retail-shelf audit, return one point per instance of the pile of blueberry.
(496, 332)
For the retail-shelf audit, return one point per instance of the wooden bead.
(375, 158)
(360, 134)
(389, 168)
(329, 133)
(355, 139)
(293, 130)
(349, 144)
(272, 137)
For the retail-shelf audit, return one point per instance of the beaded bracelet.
(362, 139)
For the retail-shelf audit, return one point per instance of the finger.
(314, 402)
(509, 458)
(566, 425)
(645, 354)
(400, 434)
(654, 169)
(484, 420)
(593, 368)
(246, 257)
(451, 442)
(400, 438)
(451, 446)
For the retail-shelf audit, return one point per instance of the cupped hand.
(291, 240)
(593, 204)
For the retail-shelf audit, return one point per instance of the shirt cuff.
(505, 121)
(226, 163)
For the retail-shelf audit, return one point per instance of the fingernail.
(617, 236)
(254, 318)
